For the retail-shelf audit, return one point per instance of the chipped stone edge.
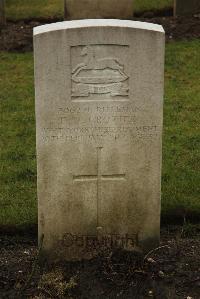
(97, 23)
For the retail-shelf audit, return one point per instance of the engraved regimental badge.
(98, 75)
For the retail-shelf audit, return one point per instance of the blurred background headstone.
(94, 9)
(186, 7)
(2, 13)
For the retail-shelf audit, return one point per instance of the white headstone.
(99, 111)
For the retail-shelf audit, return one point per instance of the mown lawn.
(18, 165)
(181, 140)
(145, 5)
(24, 9)
(181, 148)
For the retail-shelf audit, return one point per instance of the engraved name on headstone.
(99, 105)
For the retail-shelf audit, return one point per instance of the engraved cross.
(99, 177)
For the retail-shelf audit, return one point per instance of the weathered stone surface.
(186, 7)
(99, 105)
(91, 9)
(2, 13)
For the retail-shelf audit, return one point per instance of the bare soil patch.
(17, 36)
(171, 271)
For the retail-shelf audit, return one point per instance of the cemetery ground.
(171, 271)
(16, 36)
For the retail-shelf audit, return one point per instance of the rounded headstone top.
(97, 23)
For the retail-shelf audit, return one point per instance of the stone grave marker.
(99, 111)
(186, 7)
(92, 9)
(2, 13)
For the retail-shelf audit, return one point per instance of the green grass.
(25, 9)
(145, 5)
(18, 166)
(181, 148)
(181, 142)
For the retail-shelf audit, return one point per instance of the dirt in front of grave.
(172, 271)
(18, 36)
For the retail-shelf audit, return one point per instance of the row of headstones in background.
(77, 9)
(88, 9)
(2, 13)
(99, 115)
(186, 7)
